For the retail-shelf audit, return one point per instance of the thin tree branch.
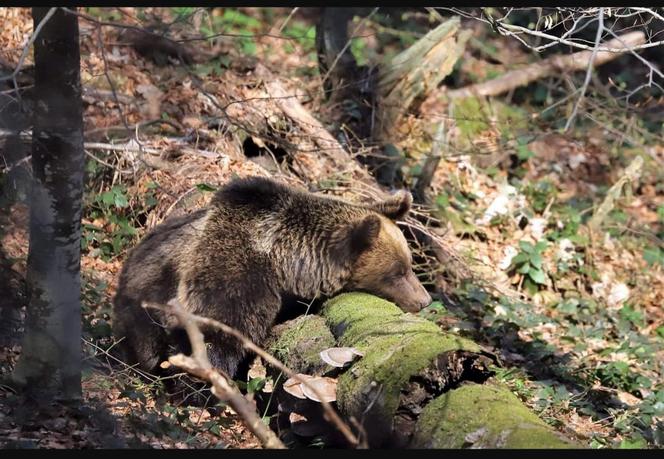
(182, 314)
(591, 61)
(199, 365)
(26, 48)
(347, 45)
(543, 68)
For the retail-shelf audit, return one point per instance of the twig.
(430, 164)
(598, 37)
(347, 45)
(91, 94)
(101, 161)
(26, 48)
(608, 48)
(631, 175)
(288, 18)
(112, 147)
(199, 365)
(190, 318)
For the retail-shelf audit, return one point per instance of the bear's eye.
(398, 270)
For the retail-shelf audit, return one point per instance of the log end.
(483, 416)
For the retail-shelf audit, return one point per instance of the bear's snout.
(413, 295)
(423, 300)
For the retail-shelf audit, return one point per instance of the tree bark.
(335, 61)
(50, 363)
(416, 72)
(415, 386)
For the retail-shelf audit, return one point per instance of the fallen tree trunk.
(553, 65)
(415, 386)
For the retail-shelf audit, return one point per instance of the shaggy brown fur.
(257, 242)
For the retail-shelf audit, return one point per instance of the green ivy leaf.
(526, 246)
(107, 198)
(520, 259)
(660, 332)
(536, 260)
(633, 443)
(524, 153)
(524, 268)
(120, 200)
(530, 286)
(214, 428)
(537, 275)
(205, 187)
(255, 385)
(653, 255)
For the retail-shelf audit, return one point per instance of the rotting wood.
(333, 155)
(415, 72)
(398, 391)
(409, 363)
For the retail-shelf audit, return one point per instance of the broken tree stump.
(415, 386)
(415, 72)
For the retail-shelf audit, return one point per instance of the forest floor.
(576, 315)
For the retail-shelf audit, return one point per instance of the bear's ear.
(396, 206)
(356, 237)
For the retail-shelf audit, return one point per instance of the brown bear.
(257, 242)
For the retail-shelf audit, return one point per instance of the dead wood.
(415, 72)
(199, 365)
(410, 371)
(332, 155)
(546, 67)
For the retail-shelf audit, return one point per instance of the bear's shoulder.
(253, 192)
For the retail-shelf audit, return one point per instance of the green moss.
(349, 307)
(298, 343)
(470, 116)
(474, 114)
(396, 346)
(485, 416)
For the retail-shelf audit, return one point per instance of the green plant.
(303, 33)
(620, 376)
(237, 23)
(529, 263)
(540, 193)
(114, 218)
(433, 312)
(653, 255)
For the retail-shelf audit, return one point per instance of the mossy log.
(416, 386)
(483, 416)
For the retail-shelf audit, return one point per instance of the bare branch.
(506, 28)
(199, 365)
(186, 317)
(347, 45)
(591, 61)
(26, 48)
(546, 67)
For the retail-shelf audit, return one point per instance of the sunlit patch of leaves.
(112, 219)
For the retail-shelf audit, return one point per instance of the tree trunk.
(415, 386)
(335, 61)
(50, 363)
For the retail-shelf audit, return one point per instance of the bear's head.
(382, 259)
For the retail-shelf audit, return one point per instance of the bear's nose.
(423, 300)
(426, 301)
